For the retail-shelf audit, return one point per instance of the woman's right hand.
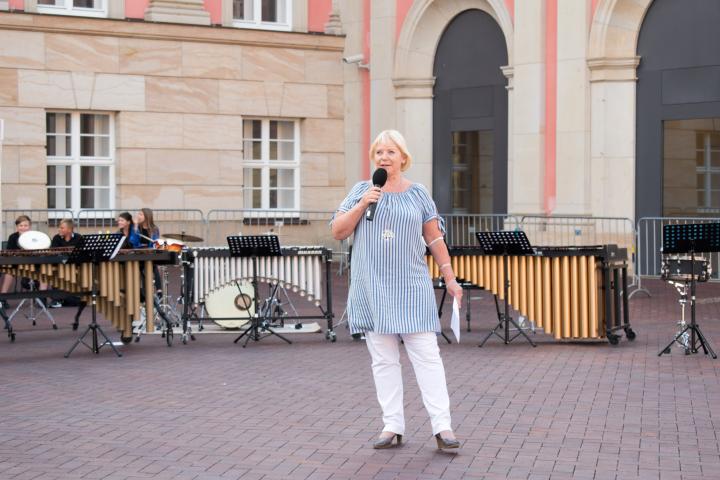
(371, 196)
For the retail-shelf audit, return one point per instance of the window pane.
(58, 123)
(269, 10)
(59, 3)
(282, 130)
(58, 183)
(252, 129)
(286, 178)
(273, 199)
(91, 146)
(95, 176)
(94, 124)
(87, 3)
(58, 140)
(239, 9)
(94, 198)
(286, 199)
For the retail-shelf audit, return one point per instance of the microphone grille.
(379, 177)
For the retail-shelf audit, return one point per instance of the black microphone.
(379, 179)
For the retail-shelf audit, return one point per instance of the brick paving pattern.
(213, 410)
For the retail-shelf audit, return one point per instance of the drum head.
(234, 301)
(33, 240)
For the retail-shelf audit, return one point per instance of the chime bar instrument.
(298, 268)
(566, 291)
(120, 283)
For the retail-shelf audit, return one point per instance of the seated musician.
(22, 224)
(66, 236)
(143, 235)
(125, 225)
(144, 231)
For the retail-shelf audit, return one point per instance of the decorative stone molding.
(177, 11)
(613, 69)
(509, 73)
(334, 25)
(414, 87)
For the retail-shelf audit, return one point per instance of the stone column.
(334, 25)
(414, 110)
(526, 139)
(612, 144)
(572, 160)
(177, 11)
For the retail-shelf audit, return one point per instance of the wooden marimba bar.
(119, 281)
(569, 292)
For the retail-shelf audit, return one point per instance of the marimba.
(120, 286)
(300, 269)
(569, 292)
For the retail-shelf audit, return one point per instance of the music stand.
(691, 238)
(94, 249)
(253, 246)
(505, 244)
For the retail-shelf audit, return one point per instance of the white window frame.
(69, 9)
(75, 162)
(257, 22)
(265, 164)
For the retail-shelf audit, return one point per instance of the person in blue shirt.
(144, 232)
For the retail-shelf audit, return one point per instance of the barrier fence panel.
(43, 220)
(461, 228)
(650, 244)
(176, 221)
(293, 228)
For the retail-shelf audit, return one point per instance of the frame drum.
(33, 240)
(230, 305)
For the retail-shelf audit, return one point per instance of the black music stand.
(94, 249)
(691, 238)
(505, 244)
(253, 246)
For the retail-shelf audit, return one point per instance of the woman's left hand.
(454, 288)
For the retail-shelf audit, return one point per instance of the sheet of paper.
(455, 320)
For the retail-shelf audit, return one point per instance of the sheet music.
(455, 319)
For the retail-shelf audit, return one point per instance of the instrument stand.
(505, 244)
(31, 314)
(94, 249)
(691, 238)
(254, 246)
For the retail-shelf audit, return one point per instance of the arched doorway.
(470, 116)
(678, 110)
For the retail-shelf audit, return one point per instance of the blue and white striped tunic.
(391, 290)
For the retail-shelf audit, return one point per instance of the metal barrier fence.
(297, 228)
(461, 228)
(42, 220)
(178, 221)
(649, 242)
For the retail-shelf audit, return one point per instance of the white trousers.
(424, 354)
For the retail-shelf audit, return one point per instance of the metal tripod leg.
(95, 347)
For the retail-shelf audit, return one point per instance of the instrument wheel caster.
(169, 337)
(33, 323)
(75, 325)
(12, 337)
(630, 334)
(330, 335)
(55, 327)
(613, 339)
(687, 351)
(184, 339)
(126, 340)
(192, 337)
(137, 339)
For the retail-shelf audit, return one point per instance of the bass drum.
(231, 306)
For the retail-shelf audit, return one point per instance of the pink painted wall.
(595, 4)
(135, 8)
(401, 9)
(318, 13)
(215, 9)
(17, 4)
(510, 4)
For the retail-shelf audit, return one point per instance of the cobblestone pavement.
(213, 410)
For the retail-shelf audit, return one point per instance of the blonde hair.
(392, 136)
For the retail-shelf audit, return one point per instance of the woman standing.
(391, 293)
